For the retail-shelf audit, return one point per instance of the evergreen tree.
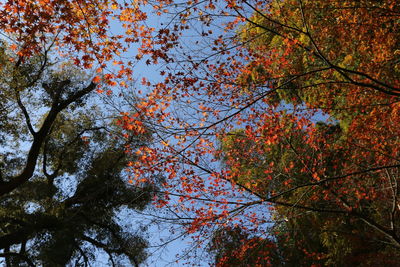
(62, 165)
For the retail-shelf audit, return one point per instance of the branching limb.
(25, 113)
(39, 138)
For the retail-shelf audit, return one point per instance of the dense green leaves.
(63, 209)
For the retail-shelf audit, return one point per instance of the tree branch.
(39, 138)
(25, 112)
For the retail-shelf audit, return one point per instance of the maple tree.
(79, 31)
(328, 236)
(263, 81)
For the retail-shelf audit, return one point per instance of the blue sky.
(157, 233)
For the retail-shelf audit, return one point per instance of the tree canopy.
(62, 165)
(299, 101)
(273, 123)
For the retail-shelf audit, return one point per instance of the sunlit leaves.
(243, 84)
(313, 59)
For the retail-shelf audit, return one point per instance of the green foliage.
(65, 212)
(297, 236)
